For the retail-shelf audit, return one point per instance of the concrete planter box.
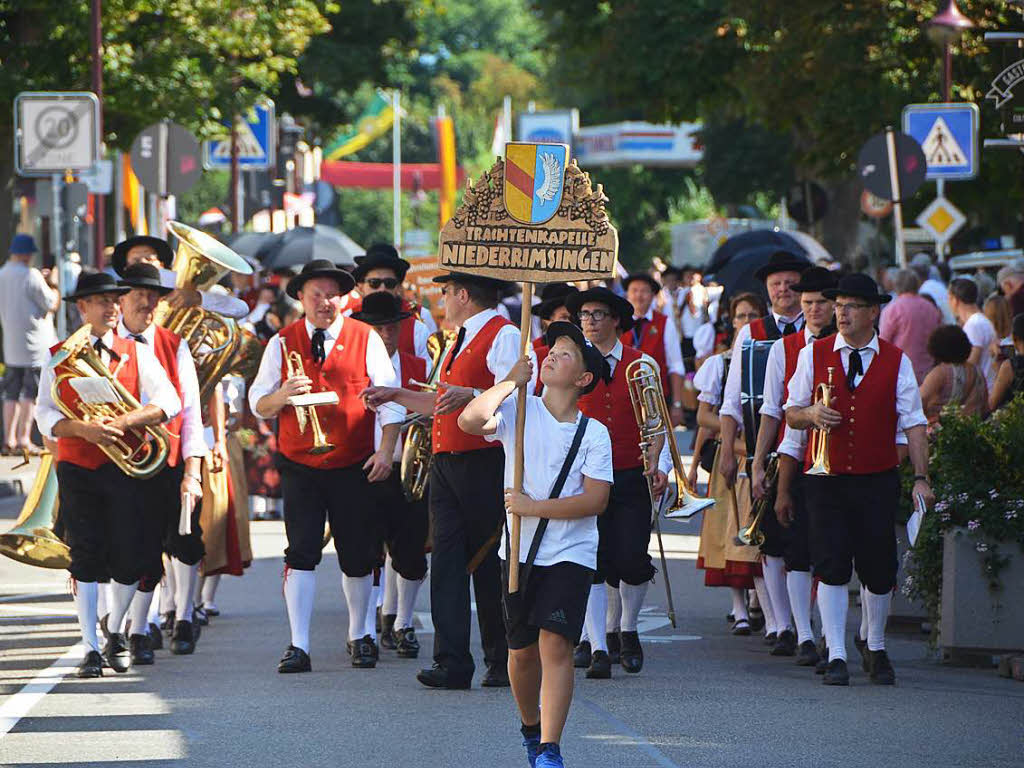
(975, 620)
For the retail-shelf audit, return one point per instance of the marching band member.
(852, 510)
(405, 523)
(787, 549)
(99, 504)
(625, 526)
(465, 485)
(550, 309)
(344, 356)
(779, 275)
(651, 333)
(565, 486)
(162, 523)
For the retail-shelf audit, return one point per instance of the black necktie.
(455, 350)
(788, 328)
(100, 348)
(139, 338)
(855, 367)
(318, 346)
(638, 331)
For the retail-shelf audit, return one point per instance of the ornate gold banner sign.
(533, 217)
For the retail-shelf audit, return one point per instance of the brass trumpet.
(305, 413)
(752, 535)
(819, 438)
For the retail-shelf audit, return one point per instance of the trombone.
(819, 438)
(305, 412)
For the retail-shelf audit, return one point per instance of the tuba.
(752, 535)
(200, 262)
(142, 451)
(32, 539)
(819, 442)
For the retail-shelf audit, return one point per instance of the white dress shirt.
(378, 368)
(708, 380)
(704, 341)
(775, 377)
(221, 302)
(673, 348)
(378, 427)
(420, 333)
(154, 386)
(731, 405)
(613, 358)
(428, 320)
(192, 441)
(505, 349)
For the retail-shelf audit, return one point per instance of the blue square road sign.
(257, 142)
(948, 135)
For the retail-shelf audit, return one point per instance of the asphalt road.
(704, 697)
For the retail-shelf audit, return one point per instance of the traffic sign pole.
(57, 246)
(897, 204)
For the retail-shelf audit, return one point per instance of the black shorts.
(20, 383)
(554, 598)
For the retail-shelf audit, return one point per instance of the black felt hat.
(552, 297)
(381, 308)
(618, 305)
(466, 278)
(380, 256)
(782, 261)
(815, 279)
(93, 283)
(143, 276)
(655, 285)
(320, 268)
(119, 259)
(858, 286)
(592, 357)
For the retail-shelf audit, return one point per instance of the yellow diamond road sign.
(941, 219)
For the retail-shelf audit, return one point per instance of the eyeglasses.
(387, 282)
(596, 315)
(846, 306)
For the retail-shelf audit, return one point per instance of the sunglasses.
(390, 283)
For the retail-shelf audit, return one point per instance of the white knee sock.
(185, 578)
(299, 591)
(764, 599)
(391, 579)
(407, 590)
(833, 602)
(210, 584)
(138, 612)
(775, 580)
(167, 592)
(798, 586)
(878, 613)
(102, 599)
(739, 605)
(357, 594)
(632, 601)
(86, 597)
(370, 622)
(120, 598)
(863, 631)
(153, 617)
(613, 618)
(597, 614)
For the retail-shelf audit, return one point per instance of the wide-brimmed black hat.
(92, 283)
(381, 308)
(815, 279)
(143, 276)
(592, 357)
(465, 278)
(320, 268)
(655, 285)
(553, 296)
(782, 261)
(380, 256)
(858, 286)
(617, 304)
(119, 259)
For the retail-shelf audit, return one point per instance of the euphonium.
(32, 540)
(819, 438)
(752, 534)
(142, 451)
(305, 413)
(653, 418)
(200, 262)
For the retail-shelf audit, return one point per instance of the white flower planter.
(905, 610)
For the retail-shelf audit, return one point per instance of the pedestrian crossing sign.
(256, 139)
(948, 135)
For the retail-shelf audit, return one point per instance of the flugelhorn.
(752, 535)
(142, 451)
(306, 412)
(819, 438)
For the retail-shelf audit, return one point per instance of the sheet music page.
(93, 389)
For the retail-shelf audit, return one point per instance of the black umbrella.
(303, 244)
(735, 261)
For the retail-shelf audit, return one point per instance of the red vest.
(413, 368)
(611, 405)
(792, 345)
(74, 449)
(652, 341)
(165, 347)
(469, 369)
(348, 425)
(540, 349)
(406, 330)
(865, 441)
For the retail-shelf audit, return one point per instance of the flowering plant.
(977, 471)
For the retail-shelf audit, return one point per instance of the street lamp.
(945, 29)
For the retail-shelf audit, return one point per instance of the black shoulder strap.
(771, 328)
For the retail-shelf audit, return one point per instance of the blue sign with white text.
(256, 139)
(948, 135)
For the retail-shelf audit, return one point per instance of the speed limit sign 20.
(56, 132)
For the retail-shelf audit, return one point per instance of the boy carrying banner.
(565, 486)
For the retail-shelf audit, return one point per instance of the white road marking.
(22, 702)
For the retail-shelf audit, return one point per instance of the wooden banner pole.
(525, 325)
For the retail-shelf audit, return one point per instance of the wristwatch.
(922, 477)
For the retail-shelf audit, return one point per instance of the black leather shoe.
(785, 645)
(116, 654)
(183, 641)
(387, 632)
(581, 655)
(865, 654)
(294, 660)
(406, 644)
(808, 656)
(632, 654)
(741, 628)
(822, 665)
(496, 676)
(363, 652)
(882, 672)
(771, 638)
(756, 619)
(103, 626)
(156, 637)
(600, 666)
(439, 677)
(91, 666)
(836, 673)
(614, 646)
(167, 622)
(199, 616)
(141, 650)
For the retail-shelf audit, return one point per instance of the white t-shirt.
(547, 443)
(982, 333)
